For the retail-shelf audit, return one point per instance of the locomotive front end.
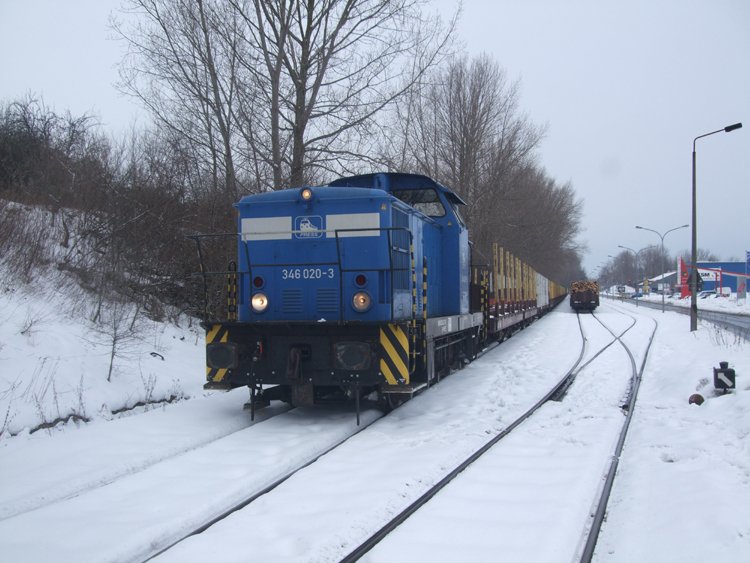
(321, 272)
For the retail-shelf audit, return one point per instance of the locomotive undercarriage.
(312, 363)
(291, 354)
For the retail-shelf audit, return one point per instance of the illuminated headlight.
(306, 194)
(259, 302)
(361, 301)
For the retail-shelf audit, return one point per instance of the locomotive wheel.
(396, 400)
(390, 401)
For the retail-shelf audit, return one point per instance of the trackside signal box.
(724, 377)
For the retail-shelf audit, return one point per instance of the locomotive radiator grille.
(291, 301)
(327, 300)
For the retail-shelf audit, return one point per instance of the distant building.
(667, 280)
(713, 279)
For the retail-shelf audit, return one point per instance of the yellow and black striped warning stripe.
(232, 291)
(413, 351)
(394, 357)
(484, 300)
(217, 333)
(424, 308)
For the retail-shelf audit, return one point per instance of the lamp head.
(729, 128)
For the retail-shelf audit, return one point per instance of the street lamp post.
(694, 250)
(635, 254)
(635, 266)
(661, 236)
(635, 263)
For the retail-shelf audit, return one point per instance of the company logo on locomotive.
(308, 226)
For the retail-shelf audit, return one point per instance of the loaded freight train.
(584, 295)
(362, 286)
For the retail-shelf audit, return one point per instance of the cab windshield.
(426, 201)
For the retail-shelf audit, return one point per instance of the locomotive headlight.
(221, 355)
(352, 355)
(361, 301)
(259, 302)
(306, 194)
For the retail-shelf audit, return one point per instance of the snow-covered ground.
(683, 486)
(681, 494)
(707, 301)
(54, 362)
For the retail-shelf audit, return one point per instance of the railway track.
(111, 484)
(159, 437)
(247, 501)
(325, 538)
(141, 513)
(325, 522)
(556, 393)
(738, 323)
(23, 523)
(437, 518)
(629, 408)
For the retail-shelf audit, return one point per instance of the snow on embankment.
(67, 353)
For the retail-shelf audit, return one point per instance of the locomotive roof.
(321, 192)
(365, 185)
(394, 181)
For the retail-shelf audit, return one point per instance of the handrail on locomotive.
(243, 242)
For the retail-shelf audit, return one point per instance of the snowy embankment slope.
(54, 362)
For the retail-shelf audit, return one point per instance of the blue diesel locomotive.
(361, 286)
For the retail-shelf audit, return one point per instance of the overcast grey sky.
(623, 87)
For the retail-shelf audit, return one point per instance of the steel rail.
(560, 394)
(735, 322)
(402, 516)
(629, 407)
(244, 503)
(98, 481)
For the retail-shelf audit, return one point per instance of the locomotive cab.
(440, 235)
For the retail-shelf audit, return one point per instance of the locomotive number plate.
(307, 273)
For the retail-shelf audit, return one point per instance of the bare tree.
(299, 82)
(182, 65)
(328, 69)
(117, 328)
(457, 124)
(704, 255)
(47, 157)
(465, 129)
(650, 260)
